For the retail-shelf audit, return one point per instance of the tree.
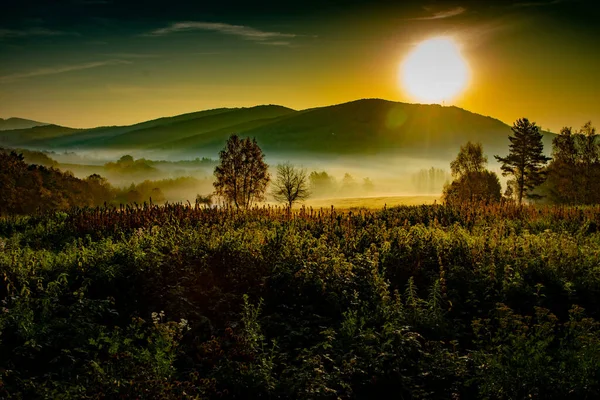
(574, 173)
(525, 161)
(242, 175)
(589, 155)
(483, 186)
(321, 183)
(349, 185)
(430, 181)
(473, 182)
(368, 186)
(290, 185)
(470, 159)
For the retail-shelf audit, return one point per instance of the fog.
(181, 180)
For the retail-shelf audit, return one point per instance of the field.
(430, 301)
(374, 202)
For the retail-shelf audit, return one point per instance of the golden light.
(435, 71)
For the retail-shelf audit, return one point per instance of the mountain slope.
(25, 137)
(145, 138)
(95, 136)
(156, 132)
(361, 127)
(18, 123)
(370, 126)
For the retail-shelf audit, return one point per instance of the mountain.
(165, 133)
(361, 127)
(96, 137)
(25, 137)
(156, 132)
(17, 123)
(365, 127)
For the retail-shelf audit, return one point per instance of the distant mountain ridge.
(361, 127)
(18, 123)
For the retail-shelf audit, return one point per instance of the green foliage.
(242, 175)
(525, 160)
(127, 165)
(28, 189)
(574, 173)
(475, 187)
(170, 302)
(473, 183)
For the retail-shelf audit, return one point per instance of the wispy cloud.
(131, 55)
(14, 33)
(245, 32)
(59, 70)
(91, 2)
(453, 12)
(538, 3)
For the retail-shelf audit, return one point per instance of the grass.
(370, 202)
(179, 302)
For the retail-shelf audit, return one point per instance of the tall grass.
(182, 301)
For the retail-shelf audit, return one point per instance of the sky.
(86, 63)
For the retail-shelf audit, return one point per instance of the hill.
(366, 127)
(361, 127)
(18, 123)
(156, 132)
(29, 136)
(96, 137)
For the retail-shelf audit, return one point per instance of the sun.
(435, 71)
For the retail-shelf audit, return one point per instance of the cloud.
(59, 70)
(453, 12)
(91, 2)
(13, 33)
(278, 43)
(245, 32)
(538, 3)
(131, 55)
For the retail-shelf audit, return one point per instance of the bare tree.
(290, 185)
(242, 175)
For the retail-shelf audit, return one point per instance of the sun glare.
(435, 71)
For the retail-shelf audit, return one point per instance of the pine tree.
(525, 160)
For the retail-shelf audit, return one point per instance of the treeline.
(572, 175)
(128, 164)
(30, 189)
(27, 189)
(430, 181)
(34, 157)
(323, 184)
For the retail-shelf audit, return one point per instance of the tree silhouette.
(290, 185)
(525, 160)
(242, 176)
(470, 158)
(574, 173)
(321, 183)
(473, 182)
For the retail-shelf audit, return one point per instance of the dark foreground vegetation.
(479, 301)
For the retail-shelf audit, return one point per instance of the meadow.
(432, 301)
(370, 202)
